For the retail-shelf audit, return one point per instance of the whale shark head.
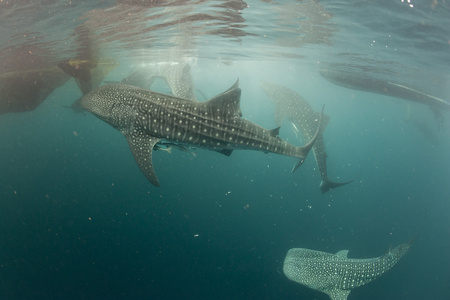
(100, 103)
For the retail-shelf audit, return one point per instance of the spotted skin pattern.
(179, 79)
(147, 118)
(335, 274)
(297, 110)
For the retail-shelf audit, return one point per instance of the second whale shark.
(147, 118)
(336, 274)
(177, 76)
(290, 105)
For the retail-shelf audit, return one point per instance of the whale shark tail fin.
(327, 185)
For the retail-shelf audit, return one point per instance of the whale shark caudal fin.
(310, 144)
(327, 185)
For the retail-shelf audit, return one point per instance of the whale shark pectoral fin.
(141, 146)
(338, 294)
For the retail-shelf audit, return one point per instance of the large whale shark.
(362, 82)
(336, 274)
(367, 84)
(290, 105)
(147, 118)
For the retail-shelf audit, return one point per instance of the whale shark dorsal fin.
(141, 146)
(338, 294)
(229, 101)
(342, 253)
(235, 85)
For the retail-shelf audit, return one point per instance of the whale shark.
(179, 79)
(336, 274)
(290, 105)
(367, 84)
(177, 75)
(362, 82)
(147, 118)
(142, 77)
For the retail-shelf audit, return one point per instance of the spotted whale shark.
(142, 77)
(147, 118)
(290, 105)
(336, 274)
(177, 75)
(179, 79)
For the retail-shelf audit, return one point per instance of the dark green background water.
(78, 220)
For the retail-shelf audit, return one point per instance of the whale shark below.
(290, 105)
(148, 119)
(336, 274)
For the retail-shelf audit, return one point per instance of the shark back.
(336, 274)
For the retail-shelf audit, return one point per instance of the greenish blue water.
(78, 220)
